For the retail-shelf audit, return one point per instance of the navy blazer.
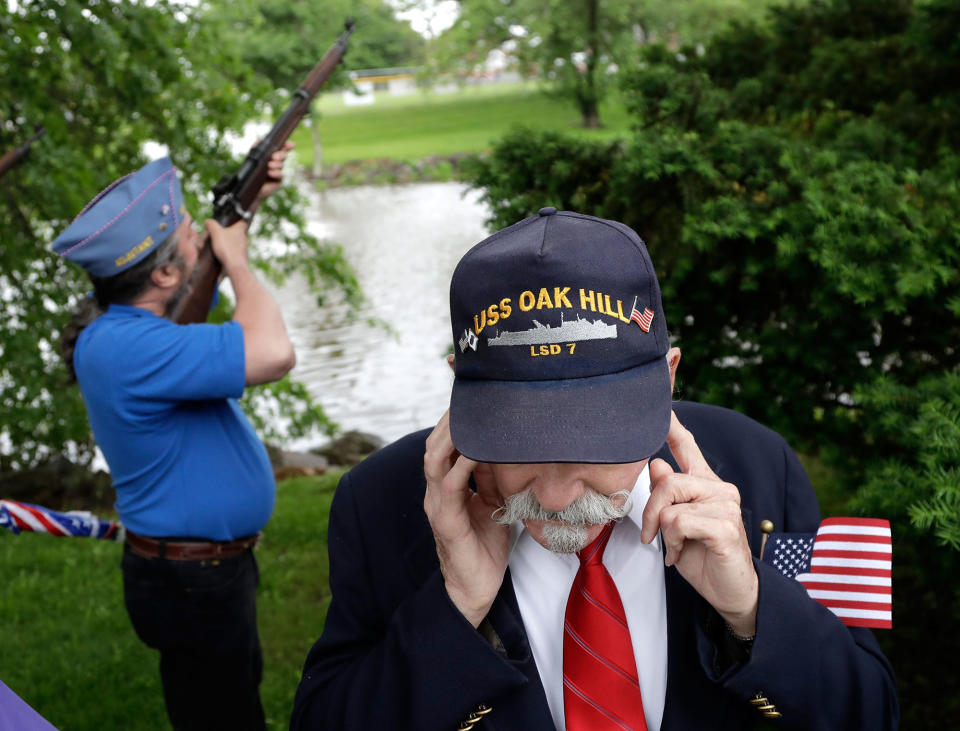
(395, 653)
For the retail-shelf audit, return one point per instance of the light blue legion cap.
(126, 221)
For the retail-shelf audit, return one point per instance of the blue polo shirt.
(161, 399)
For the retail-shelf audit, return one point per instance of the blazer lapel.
(692, 700)
(526, 709)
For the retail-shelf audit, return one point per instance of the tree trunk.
(588, 98)
(590, 113)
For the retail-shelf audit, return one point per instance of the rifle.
(15, 156)
(234, 194)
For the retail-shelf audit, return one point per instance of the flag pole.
(767, 527)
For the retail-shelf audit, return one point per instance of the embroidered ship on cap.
(567, 332)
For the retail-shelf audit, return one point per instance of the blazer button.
(763, 704)
(474, 718)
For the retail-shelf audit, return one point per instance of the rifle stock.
(234, 195)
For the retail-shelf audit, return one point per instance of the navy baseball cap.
(560, 345)
(126, 221)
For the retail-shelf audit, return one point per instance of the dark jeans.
(202, 617)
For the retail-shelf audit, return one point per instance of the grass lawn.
(68, 648)
(412, 127)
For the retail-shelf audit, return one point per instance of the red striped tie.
(600, 686)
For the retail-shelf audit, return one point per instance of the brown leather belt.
(188, 550)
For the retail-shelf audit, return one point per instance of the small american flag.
(16, 516)
(643, 319)
(846, 566)
(851, 569)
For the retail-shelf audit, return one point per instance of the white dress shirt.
(542, 581)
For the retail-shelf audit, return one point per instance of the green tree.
(575, 47)
(570, 45)
(104, 78)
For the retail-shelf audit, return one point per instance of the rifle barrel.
(246, 193)
(234, 196)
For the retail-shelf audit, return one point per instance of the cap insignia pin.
(468, 340)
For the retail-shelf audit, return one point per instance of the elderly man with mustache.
(569, 548)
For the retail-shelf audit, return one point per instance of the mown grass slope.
(432, 123)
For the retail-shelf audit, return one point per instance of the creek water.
(403, 243)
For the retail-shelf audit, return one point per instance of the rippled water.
(403, 242)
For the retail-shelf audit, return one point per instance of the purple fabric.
(15, 715)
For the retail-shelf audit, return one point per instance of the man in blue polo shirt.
(194, 484)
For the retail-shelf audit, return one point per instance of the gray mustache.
(591, 508)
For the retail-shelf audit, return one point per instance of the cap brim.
(608, 419)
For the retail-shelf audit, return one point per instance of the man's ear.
(167, 276)
(451, 361)
(673, 360)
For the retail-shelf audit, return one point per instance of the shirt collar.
(129, 311)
